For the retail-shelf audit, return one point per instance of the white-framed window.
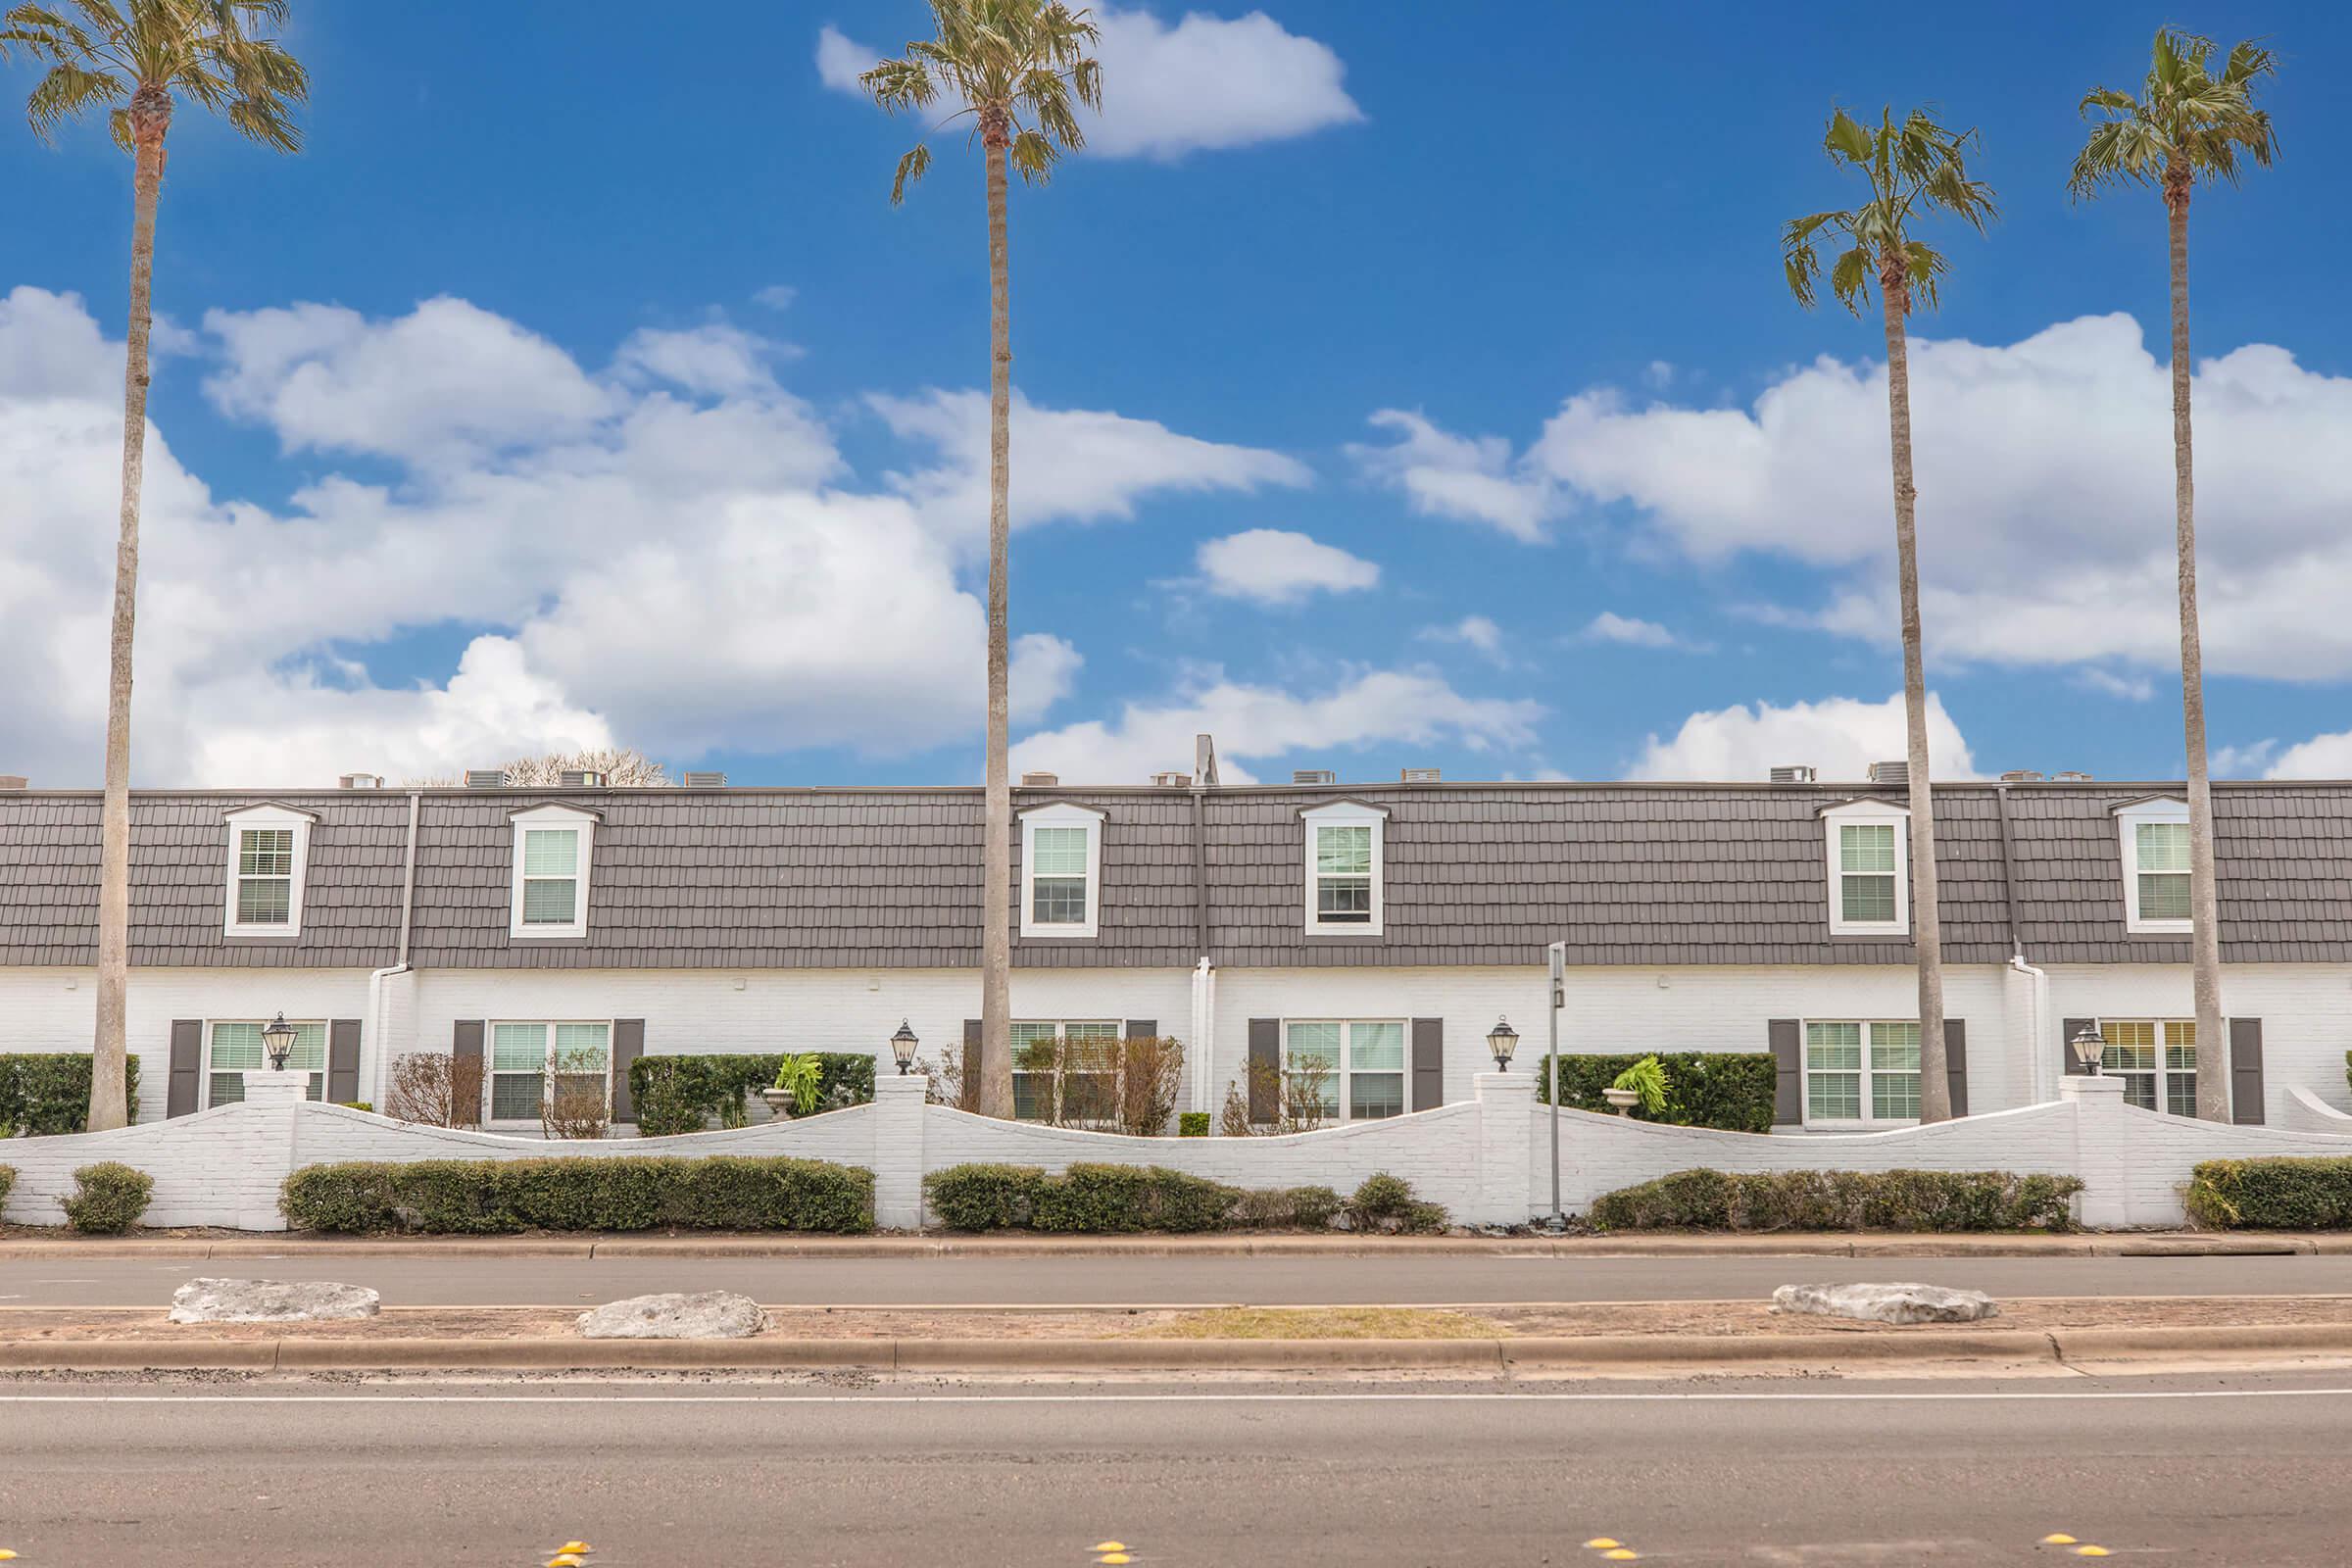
(2155, 846)
(1870, 872)
(553, 848)
(2157, 1060)
(232, 1047)
(268, 849)
(1065, 1070)
(532, 1062)
(1356, 1066)
(1062, 872)
(1861, 1072)
(1344, 856)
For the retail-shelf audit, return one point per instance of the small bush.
(1094, 1200)
(984, 1197)
(2272, 1194)
(355, 1105)
(1386, 1203)
(624, 1192)
(43, 1094)
(108, 1197)
(1108, 1199)
(8, 1179)
(1274, 1209)
(434, 1089)
(1939, 1200)
(1192, 1124)
(1727, 1090)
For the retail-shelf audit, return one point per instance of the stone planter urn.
(1622, 1099)
(779, 1101)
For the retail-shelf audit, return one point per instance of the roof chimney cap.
(485, 779)
(1795, 773)
(1313, 775)
(1040, 780)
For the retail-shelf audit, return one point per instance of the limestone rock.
(213, 1301)
(703, 1315)
(1887, 1303)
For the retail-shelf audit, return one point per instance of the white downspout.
(2037, 1006)
(400, 962)
(1203, 1037)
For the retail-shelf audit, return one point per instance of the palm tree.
(1914, 169)
(2190, 125)
(1019, 69)
(137, 57)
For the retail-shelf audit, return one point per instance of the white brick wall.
(2305, 1009)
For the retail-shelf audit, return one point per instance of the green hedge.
(685, 1094)
(1730, 1090)
(8, 1179)
(46, 1093)
(2272, 1194)
(1842, 1200)
(108, 1197)
(621, 1192)
(1122, 1199)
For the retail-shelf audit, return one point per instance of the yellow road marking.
(1114, 1556)
(1600, 1543)
(2057, 1538)
(2091, 1551)
(1111, 1545)
(1621, 1554)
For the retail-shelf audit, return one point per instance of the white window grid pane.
(515, 1095)
(2181, 1045)
(1833, 1095)
(518, 1048)
(581, 1047)
(2181, 1093)
(1058, 851)
(226, 1089)
(549, 900)
(1344, 850)
(1058, 900)
(551, 852)
(266, 852)
(2163, 846)
(1895, 1095)
(1377, 1047)
(1867, 898)
(2131, 1048)
(1375, 1095)
(265, 900)
(1867, 847)
(1834, 1045)
(236, 1047)
(1343, 897)
(2164, 896)
(1316, 1043)
(1894, 1047)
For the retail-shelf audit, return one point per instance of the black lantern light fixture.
(2090, 1048)
(1503, 1040)
(902, 1047)
(277, 1042)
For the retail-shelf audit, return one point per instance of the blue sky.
(624, 407)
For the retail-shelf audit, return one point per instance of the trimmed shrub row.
(1730, 1090)
(623, 1192)
(1842, 1200)
(1112, 1200)
(46, 1093)
(2270, 1195)
(686, 1094)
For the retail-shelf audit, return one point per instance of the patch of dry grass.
(1321, 1323)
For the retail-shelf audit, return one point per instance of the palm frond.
(66, 92)
(2188, 123)
(912, 168)
(1914, 167)
(217, 54)
(1849, 279)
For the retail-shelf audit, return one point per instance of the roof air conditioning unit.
(485, 779)
(583, 778)
(360, 781)
(706, 781)
(1891, 772)
(1417, 775)
(13, 781)
(2070, 776)
(1313, 775)
(1172, 781)
(1040, 780)
(2022, 775)
(1795, 773)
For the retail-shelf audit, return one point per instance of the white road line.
(1162, 1399)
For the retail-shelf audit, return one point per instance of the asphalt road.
(1162, 1281)
(2248, 1471)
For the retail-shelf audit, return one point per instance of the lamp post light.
(1503, 1040)
(2090, 1048)
(277, 1042)
(902, 1047)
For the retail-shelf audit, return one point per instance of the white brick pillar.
(899, 1149)
(1506, 1103)
(2102, 1149)
(266, 1135)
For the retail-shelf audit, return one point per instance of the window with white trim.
(1344, 869)
(1861, 1072)
(1870, 874)
(1355, 1066)
(2156, 875)
(233, 1047)
(2157, 1060)
(533, 1061)
(1062, 866)
(553, 848)
(1064, 1070)
(268, 846)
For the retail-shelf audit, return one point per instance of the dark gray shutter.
(2070, 1028)
(466, 1042)
(1143, 1029)
(187, 1063)
(1788, 1071)
(1956, 1062)
(343, 1061)
(2245, 1071)
(1265, 1069)
(629, 1044)
(1429, 1063)
(970, 1098)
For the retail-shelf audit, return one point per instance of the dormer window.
(268, 846)
(552, 849)
(1062, 872)
(2155, 848)
(1345, 855)
(1870, 875)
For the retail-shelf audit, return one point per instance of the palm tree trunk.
(151, 118)
(2205, 908)
(995, 955)
(1927, 923)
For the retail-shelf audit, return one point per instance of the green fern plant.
(1646, 1078)
(805, 1076)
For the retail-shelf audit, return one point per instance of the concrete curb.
(1682, 1352)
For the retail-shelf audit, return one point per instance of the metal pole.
(1555, 980)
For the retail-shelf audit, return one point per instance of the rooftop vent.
(583, 778)
(1793, 774)
(1172, 781)
(13, 781)
(2070, 776)
(1040, 780)
(1313, 775)
(2022, 775)
(359, 781)
(706, 781)
(485, 779)
(1417, 775)
(1891, 772)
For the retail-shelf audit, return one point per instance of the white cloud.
(776, 296)
(1381, 706)
(2107, 683)
(1206, 83)
(716, 360)
(1470, 479)
(1841, 736)
(2250, 760)
(1276, 567)
(2321, 757)
(1610, 627)
(1476, 632)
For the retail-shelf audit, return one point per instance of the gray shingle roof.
(1476, 873)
